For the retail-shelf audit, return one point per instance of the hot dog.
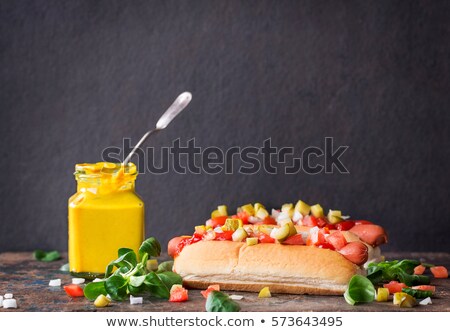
(289, 257)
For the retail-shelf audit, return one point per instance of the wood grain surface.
(28, 280)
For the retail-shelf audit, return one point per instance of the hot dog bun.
(294, 269)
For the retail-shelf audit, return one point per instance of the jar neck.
(105, 177)
(100, 185)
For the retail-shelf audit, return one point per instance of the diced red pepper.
(74, 290)
(218, 221)
(264, 238)
(395, 286)
(419, 269)
(425, 288)
(296, 239)
(243, 216)
(178, 294)
(210, 288)
(439, 271)
(224, 236)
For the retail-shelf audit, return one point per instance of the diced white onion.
(218, 229)
(9, 296)
(283, 217)
(236, 297)
(297, 216)
(9, 303)
(135, 300)
(345, 217)
(253, 219)
(55, 283)
(275, 213)
(425, 301)
(78, 281)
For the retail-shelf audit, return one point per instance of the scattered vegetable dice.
(178, 294)
(74, 290)
(210, 288)
(78, 281)
(102, 301)
(135, 300)
(382, 294)
(54, 283)
(419, 269)
(439, 271)
(9, 303)
(265, 292)
(404, 300)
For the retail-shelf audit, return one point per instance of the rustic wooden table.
(28, 280)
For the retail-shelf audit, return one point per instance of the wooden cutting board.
(28, 280)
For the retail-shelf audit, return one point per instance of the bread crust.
(294, 269)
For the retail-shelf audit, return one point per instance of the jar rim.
(103, 169)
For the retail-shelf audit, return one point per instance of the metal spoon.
(178, 105)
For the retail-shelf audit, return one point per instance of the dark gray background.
(78, 76)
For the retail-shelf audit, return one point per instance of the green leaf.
(417, 293)
(220, 302)
(360, 289)
(151, 246)
(123, 251)
(44, 256)
(116, 287)
(396, 270)
(170, 278)
(136, 281)
(166, 266)
(128, 260)
(94, 289)
(156, 286)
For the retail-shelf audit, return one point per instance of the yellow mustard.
(105, 214)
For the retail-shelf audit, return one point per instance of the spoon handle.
(177, 106)
(146, 135)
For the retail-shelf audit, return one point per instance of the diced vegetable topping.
(394, 286)
(102, 301)
(178, 294)
(334, 216)
(281, 233)
(239, 235)
(55, 283)
(265, 292)
(404, 300)
(251, 241)
(317, 211)
(210, 288)
(302, 207)
(439, 271)
(232, 224)
(419, 269)
(74, 290)
(78, 281)
(9, 303)
(222, 210)
(382, 294)
(425, 301)
(136, 300)
(236, 297)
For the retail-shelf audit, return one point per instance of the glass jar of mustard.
(105, 214)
